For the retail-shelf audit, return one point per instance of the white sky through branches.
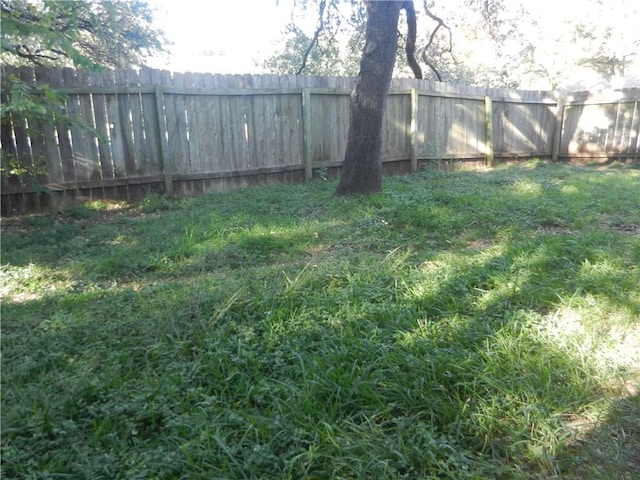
(231, 36)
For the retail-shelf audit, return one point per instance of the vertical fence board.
(9, 152)
(215, 133)
(489, 134)
(125, 122)
(331, 121)
(239, 131)
(102, 128)
(293, 147)
(274, 117)
(445, 117)
(80, 151)
(36, 133)
(307, 134)
(499, 133)
(151, 162)
(24, 161)
(316, 130)
(261, 128)
(116, 140)
(199, 133)
(421, 124)
(179, 129)
(139, 147)
(194, 164)
(324, 141)
(634, 131)
(161, 79)
(458, 130)
(224, 123)
(413, 130)
(91, 161)
(63, 134)
(283, 117)
(214, 129)
(625, 126)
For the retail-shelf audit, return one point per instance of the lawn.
(458, 325)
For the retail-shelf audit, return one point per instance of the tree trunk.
(362, 167)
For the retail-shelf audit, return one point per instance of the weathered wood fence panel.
(396, 133)
(601, 125)
(127, 133)
(330, 120)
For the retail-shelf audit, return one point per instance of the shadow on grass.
(365, 342)
(610, 449)
(174, 376)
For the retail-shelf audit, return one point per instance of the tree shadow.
(613, 440)
(444, 364)
(601, 127)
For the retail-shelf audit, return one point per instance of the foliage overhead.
(83, 34)
(88, 33)
(496, 43)
(333, 47)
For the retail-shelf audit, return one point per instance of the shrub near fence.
(135, 132)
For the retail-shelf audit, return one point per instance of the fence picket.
(63, 134)
(151, 165)
(102, 128)
(36, 129)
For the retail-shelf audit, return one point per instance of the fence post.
(414, 130)
(162, 138)
(488, 118)
(307, 134)
(557, 130)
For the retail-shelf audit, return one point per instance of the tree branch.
(410, 46)
(316, 35)
(23, 51)
(431, 66)
(432, 38)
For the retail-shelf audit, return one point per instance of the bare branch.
(440, 23)
(431, 66)
(410, 46)
(24, 52)
(316, 35)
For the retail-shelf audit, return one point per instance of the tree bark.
(362, 167)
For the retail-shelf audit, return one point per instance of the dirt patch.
(620, 227)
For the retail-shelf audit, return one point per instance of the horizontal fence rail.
(127, 133)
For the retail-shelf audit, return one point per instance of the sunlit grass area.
(458, 325)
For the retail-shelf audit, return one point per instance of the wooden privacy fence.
(599, 125)
(128, 133)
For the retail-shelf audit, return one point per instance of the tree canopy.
(87, 33)
(83, 34)
(497, 43)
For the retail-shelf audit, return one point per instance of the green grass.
(458, 325)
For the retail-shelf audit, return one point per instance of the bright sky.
(219, 36)
(227, 36)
